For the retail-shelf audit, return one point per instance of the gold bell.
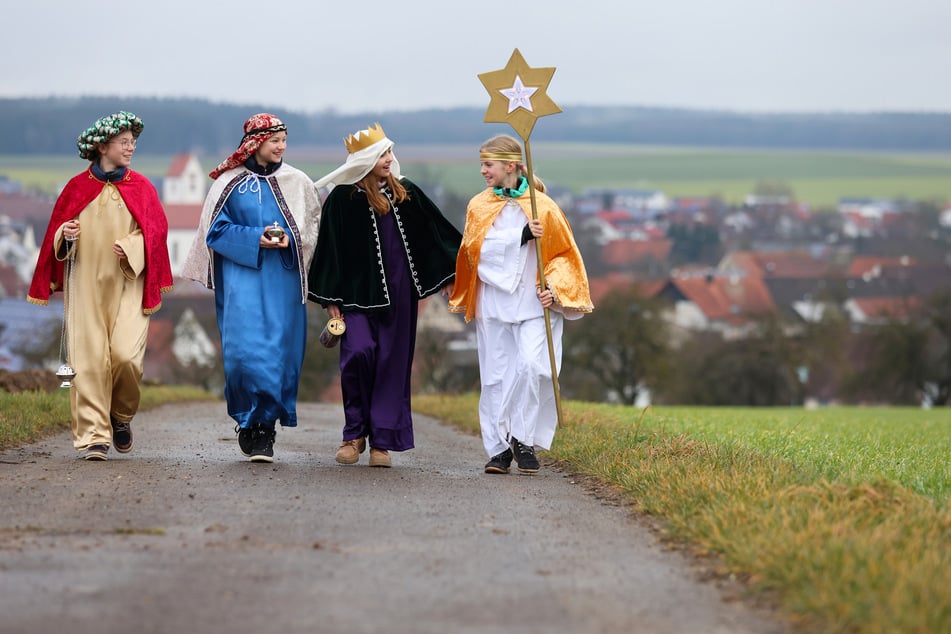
(330, 335)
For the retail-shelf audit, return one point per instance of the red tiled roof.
(802, 211)
(160, 335)
(614, 216)
(626, 252)
(604, 285)
(786, 264)
(10, 283)
(732, 299)
(183, 216)
(691, 203)
(865, 264)
(860, 221)
(650, 288)
(887, 307)
(159, 358)
(20, 206)
(177, 167)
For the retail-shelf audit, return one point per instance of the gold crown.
(364, 138)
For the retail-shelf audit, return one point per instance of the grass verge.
(846, 550)
(28, 416)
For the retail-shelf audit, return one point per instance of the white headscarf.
(359, 164)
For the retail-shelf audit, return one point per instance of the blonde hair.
(378, 199)
(505, 144)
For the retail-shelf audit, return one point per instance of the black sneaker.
(121, 436)
(244, 440)
(262, 444)
(525, 457)
(96, 452)
(499, 463)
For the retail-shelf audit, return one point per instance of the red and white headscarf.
(258, 129)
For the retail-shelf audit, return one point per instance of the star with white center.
(519, 95)
(511, 102)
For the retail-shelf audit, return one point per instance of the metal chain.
(67, 300)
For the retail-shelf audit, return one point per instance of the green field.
(818, 178)
(48, 174)
(911, 447)
(839, 516)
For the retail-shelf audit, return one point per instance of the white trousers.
(518, 398)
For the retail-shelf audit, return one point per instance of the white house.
(873, 208)
(945, 218)
(183, 192)
(642, 203)
(185, 183)
(192, 345)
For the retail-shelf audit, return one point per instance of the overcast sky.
(357, 56)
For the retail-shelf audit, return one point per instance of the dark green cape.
(347, 269)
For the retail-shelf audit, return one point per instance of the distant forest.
(51, 125)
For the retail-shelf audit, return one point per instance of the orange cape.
(565, 274)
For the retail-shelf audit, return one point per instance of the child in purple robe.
(383, 246)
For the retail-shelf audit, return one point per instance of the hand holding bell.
(330, 335)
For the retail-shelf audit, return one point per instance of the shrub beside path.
(184, 535)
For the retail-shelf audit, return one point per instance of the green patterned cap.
(105, 129)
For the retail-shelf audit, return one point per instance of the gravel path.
(185, 535)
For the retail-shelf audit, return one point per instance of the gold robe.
(564, 269)
(106, 326)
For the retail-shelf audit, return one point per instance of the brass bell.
(330, 335)
(275, 232)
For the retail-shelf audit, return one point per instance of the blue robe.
(262, 322)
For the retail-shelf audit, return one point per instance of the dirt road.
(185, 535)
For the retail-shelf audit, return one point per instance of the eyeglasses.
(125, 144)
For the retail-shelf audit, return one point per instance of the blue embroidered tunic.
(262, 321)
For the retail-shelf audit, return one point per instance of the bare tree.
(761, 369)
(617, 352)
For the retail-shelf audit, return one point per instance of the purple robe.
(376, 356)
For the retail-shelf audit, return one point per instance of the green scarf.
(509, 192)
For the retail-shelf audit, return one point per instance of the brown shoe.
(350, 450)
(380, 458)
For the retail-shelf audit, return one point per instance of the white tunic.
(518, 398)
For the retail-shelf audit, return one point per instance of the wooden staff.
(542, 283)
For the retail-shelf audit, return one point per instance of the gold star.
(517, 95)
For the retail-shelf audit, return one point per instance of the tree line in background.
(47, 126)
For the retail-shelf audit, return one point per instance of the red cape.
(140, 197)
